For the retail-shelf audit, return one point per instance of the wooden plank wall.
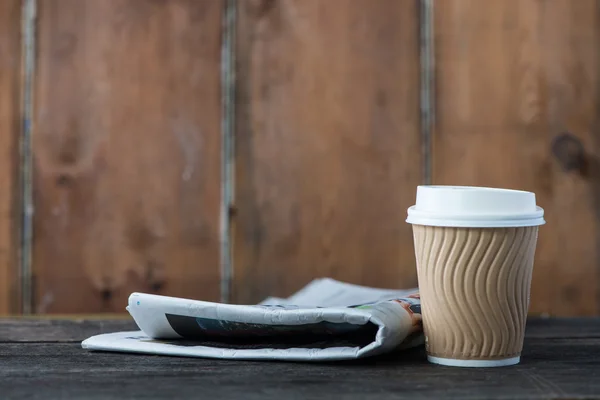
(10, 116)
(327, 144)
(127, 142)
(127, 152)
(512, 77)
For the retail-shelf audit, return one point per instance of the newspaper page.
(326, 320)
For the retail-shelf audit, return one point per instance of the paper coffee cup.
(475, 249)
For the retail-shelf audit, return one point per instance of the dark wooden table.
(42, 359)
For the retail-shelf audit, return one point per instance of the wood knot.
(64, 180)
(569, 152)
(232, 211)
(106, 294)
(263, 7)
(157, 286)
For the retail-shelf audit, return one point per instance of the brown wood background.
(10, 117)
(126, 152)
(327, 144)
(128, 142)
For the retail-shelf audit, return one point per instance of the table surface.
(44, 359)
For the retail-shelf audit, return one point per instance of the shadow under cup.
(474, 249)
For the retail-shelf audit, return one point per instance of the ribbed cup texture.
(474, 285)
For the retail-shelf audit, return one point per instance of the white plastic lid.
(474, 207)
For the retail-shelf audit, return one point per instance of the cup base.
(453, 362)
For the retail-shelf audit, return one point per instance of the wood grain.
(327, 144)
(555, 368)
(127, 152)
(55, 330)
(511, 77)
(77, 328)
(10, 105)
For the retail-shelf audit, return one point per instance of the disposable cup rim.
(452, 362)
(418, 217)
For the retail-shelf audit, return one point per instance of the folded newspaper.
(326, 320)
